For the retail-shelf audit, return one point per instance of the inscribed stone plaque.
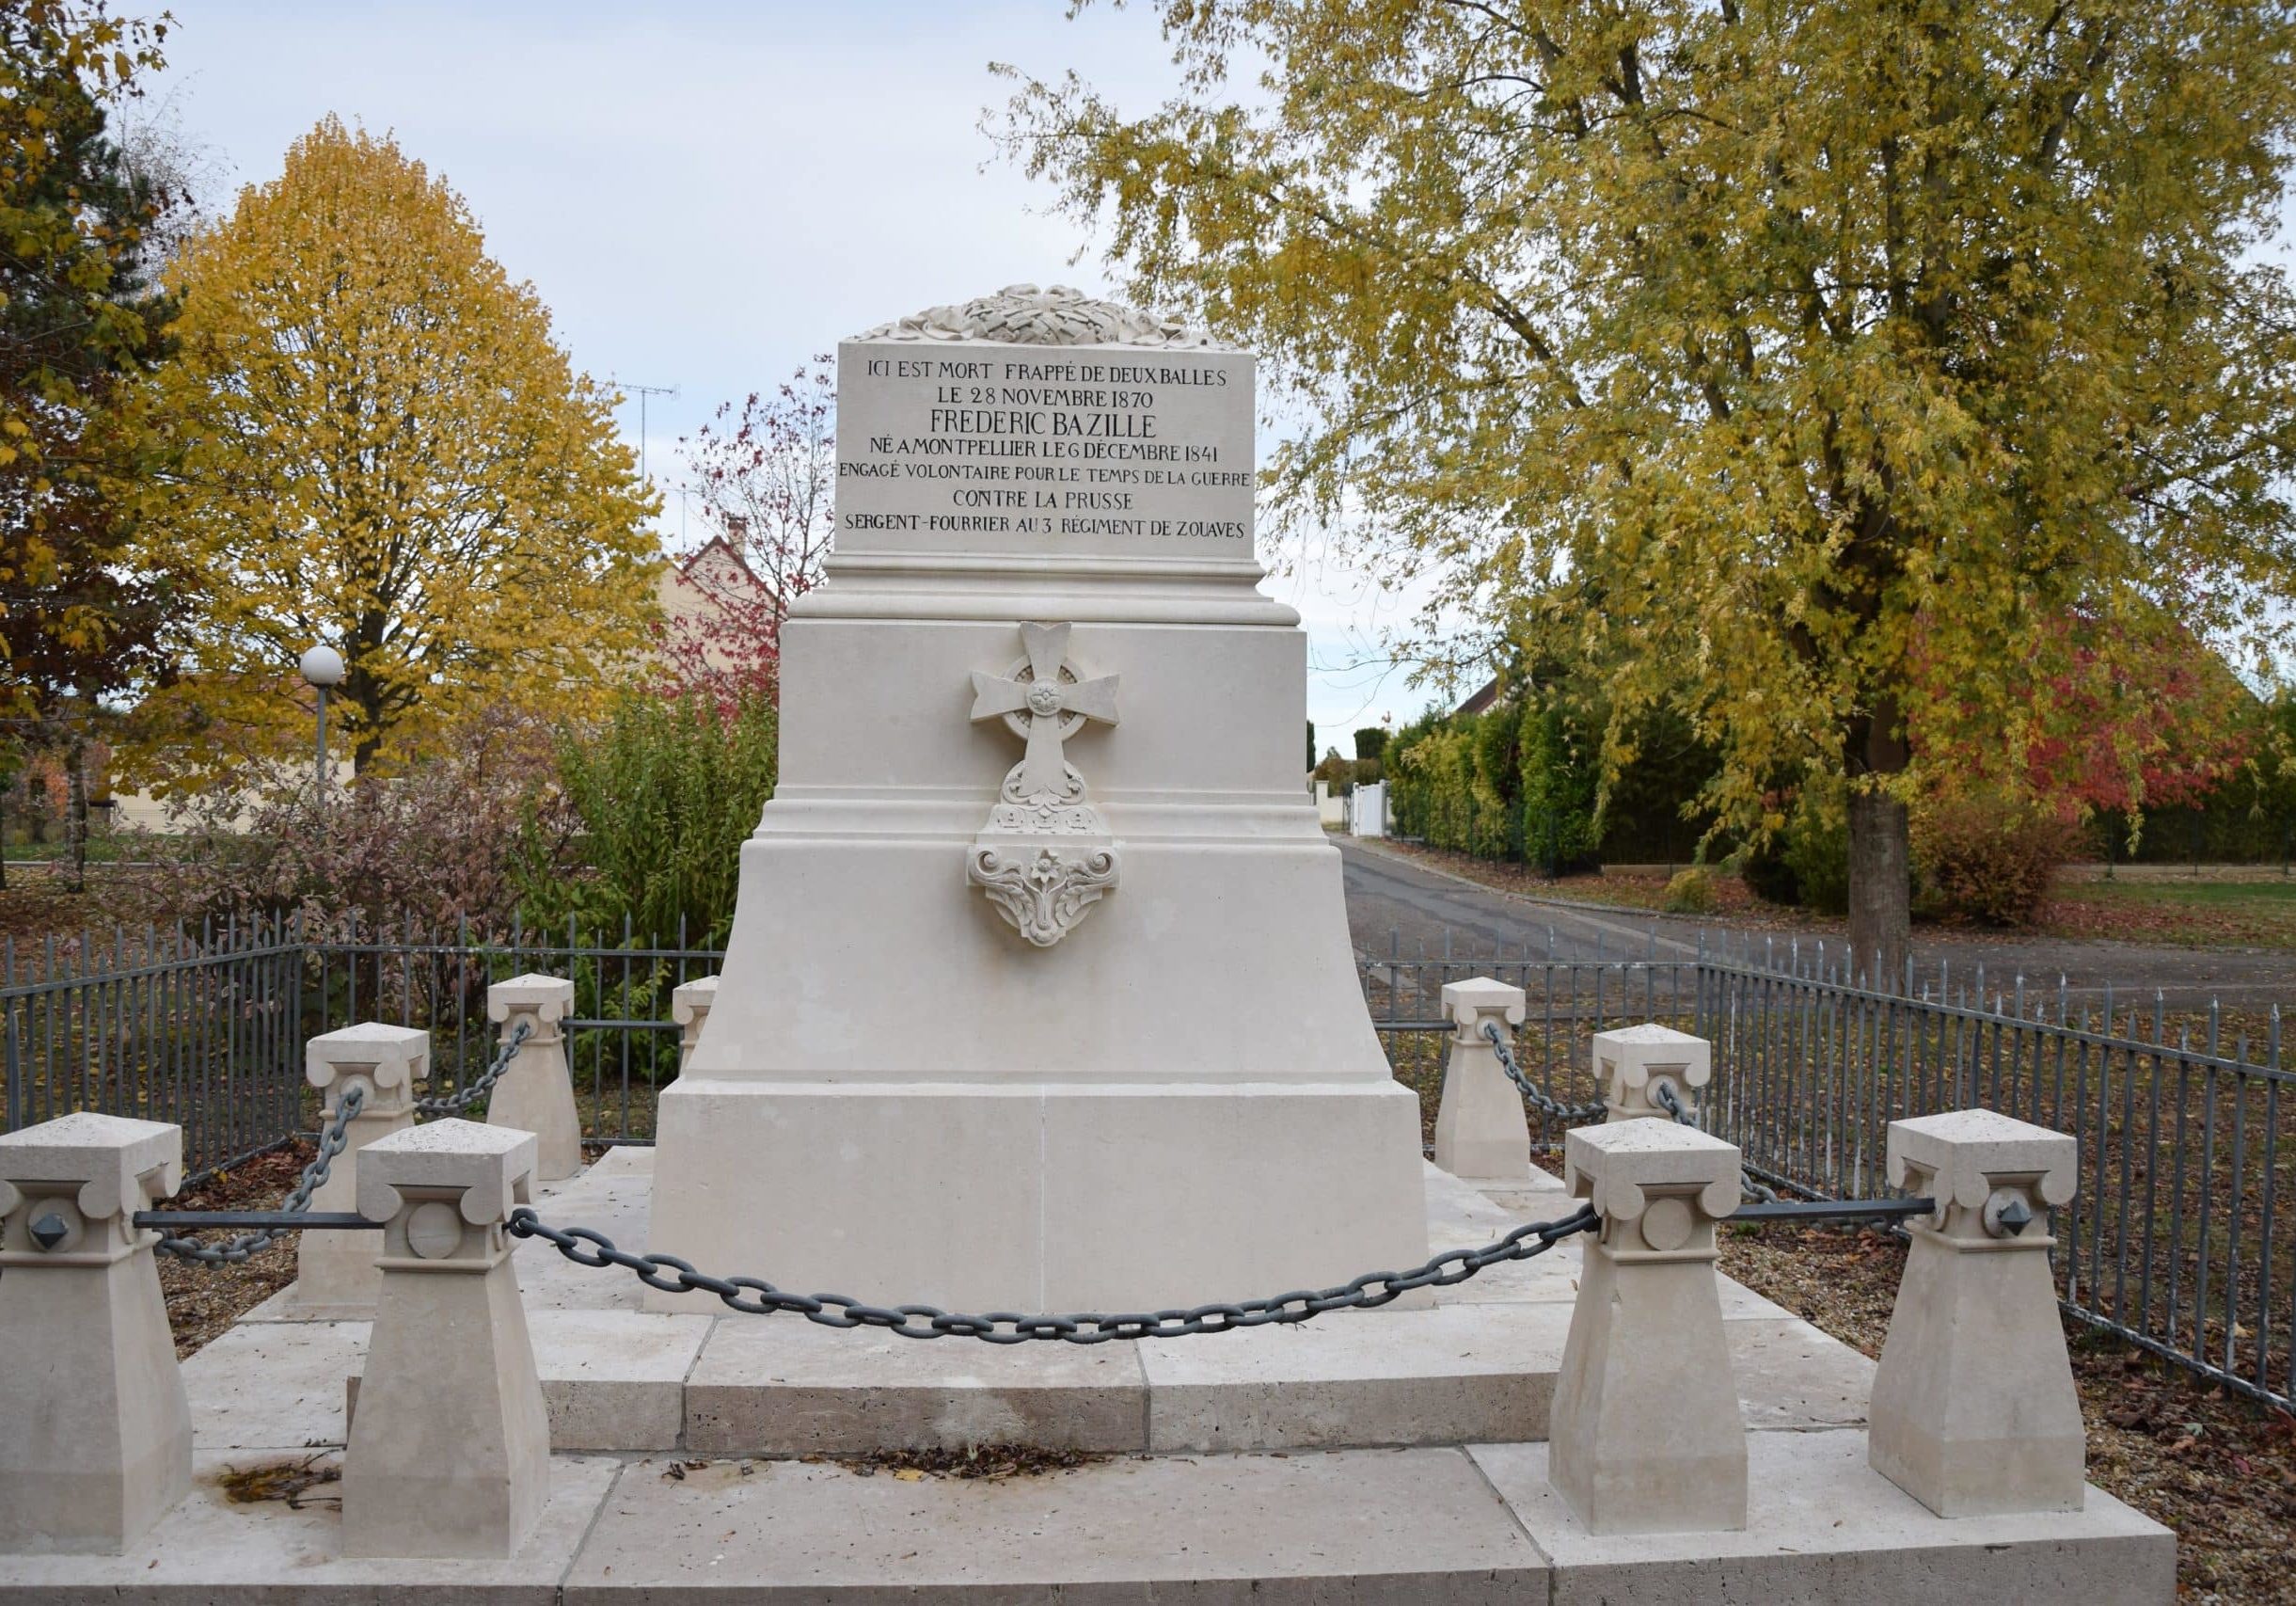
(1043, 424)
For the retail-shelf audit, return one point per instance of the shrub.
(1818, 852)
(1988, 858)
(427, 846)
(646, 824)
(1691, 892)
(1559, 778)
(1806, 861)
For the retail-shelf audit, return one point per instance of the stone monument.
(1070, 1026)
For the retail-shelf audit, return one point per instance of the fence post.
(95, 1431)
(536, 1092)
(1974, 1409)
(1633, 1063)
(450, 1450)
(1645, 1435)
(1481, 1130)
(335, 1275)
(690, 1006)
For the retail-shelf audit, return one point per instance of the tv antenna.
(641, 392)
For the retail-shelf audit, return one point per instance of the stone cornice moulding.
(1060, 314)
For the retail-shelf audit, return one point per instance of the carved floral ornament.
(1044, 858)
(1026, 315)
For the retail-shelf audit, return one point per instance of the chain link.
(332, 1141)
(1544, 1102)
(587, 1246)
(454, 1104)
(1662, 1093)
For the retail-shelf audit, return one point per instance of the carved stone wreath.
(1026, 315)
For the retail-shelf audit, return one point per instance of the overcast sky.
(707, 194)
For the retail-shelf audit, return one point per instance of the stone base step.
(1478, 1364)
(1426, 1527)
(628, 1380)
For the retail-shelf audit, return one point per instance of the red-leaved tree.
(764, 478)
(2123, 715)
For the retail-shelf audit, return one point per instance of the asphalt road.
(1398, 906)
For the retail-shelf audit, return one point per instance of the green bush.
(1806, 861)
(647, 821)
(1818, 852)
(1691, 892)
(1559, 779)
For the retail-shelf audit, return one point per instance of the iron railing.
(2175, 1240)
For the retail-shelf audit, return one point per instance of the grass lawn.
(2197, 913)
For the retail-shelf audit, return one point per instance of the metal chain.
(1544, 1102)
(332, 1141)
(454, 1104)
(1662, 1093)
(585, 1247)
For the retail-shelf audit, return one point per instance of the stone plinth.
(1646, 1436)
(1634, 1063)
(335, 1275)
(690, 1004)
(1975, 1412)
(1123, 1060)
(95, 1432)
(536, 1092)
(1481, 1130)
(450, 1450)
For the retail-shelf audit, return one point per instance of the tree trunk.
(75, 812)
(1880, 854)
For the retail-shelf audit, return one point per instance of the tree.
(381, 447)
(1743, 349)
(765, 476)
(78, 317)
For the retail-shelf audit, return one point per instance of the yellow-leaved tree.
(1830, 370)
(379, 446)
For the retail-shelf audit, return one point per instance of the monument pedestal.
(1146, 1078)
(1039, 1196)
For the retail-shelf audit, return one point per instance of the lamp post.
(322, 667)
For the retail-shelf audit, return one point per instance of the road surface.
(1398, 905)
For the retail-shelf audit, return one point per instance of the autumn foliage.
(1771, 362)
(379, 445)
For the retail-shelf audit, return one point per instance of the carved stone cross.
(1044, 708)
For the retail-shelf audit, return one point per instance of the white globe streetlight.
(322, 667)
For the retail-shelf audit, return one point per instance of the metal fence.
(2174, 1241)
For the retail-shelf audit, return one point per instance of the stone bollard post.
(1646, 1436)
(1634, 1063)
(335, 1275)
(450, 1451)
(95, 1431)
(536, 1094)
(689, 1003)
(1974, 1409)
(1480, 1128)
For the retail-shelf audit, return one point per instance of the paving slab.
(272, 1385)
(1794, 1378)
(1368, 1528)
(1824, 1528)
(1446, 1376)
(611, 1379)
(787, 1387)
(211, 1550)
